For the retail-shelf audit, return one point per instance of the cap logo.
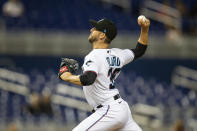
(100, 20)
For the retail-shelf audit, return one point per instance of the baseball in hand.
(142, 18)
(143, 21)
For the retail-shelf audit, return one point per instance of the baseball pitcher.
(101, 67)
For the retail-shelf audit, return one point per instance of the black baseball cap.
(106, 26)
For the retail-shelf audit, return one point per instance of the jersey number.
(113, 73)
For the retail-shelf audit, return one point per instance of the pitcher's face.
(94, 35)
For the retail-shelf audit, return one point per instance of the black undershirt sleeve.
(139, 50)
(88, 78)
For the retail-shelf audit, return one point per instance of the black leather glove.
(68, 65)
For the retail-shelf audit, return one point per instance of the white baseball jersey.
(114, 114)
(106, 63)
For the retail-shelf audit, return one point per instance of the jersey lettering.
(113, 61)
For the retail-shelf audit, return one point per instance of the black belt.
(115, 98)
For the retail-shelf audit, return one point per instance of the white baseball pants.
(115, 116)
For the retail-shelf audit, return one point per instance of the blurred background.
(161, 87)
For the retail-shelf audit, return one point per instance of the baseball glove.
(68, 65)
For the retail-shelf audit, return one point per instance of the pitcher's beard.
(92, 39)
